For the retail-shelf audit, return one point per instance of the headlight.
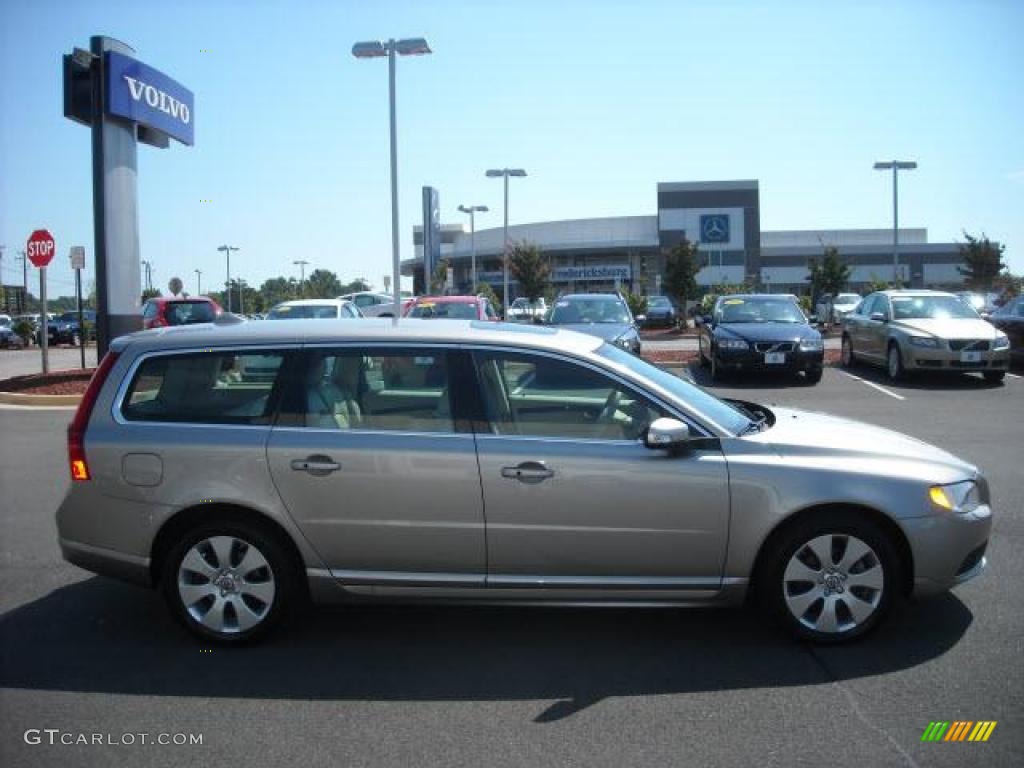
(960, 497)
(1002, 342)
(924, 341)
(811, 345)
(732, 344)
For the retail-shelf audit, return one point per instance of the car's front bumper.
(938, 359)
(948, 549)
(752, 360)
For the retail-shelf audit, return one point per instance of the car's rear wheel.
(229, 581)
(832, 579)
(846, 354)
(894, 362)
(994, 377)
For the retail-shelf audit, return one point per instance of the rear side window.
(204, 388)
(188, 312)
(390, 390)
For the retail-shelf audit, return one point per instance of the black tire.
(894, 363)
(846, 356)
(716, 373)
(284, 575)
(775, 592)
(994, 377)
(812, 377)
(704, 362)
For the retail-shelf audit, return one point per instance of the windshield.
(303, 312)
(520, 304)
(448, 309)
(846, 298)
(702, 402)
(931, 308)
(760, 311)
(658, 302)
(590, 310)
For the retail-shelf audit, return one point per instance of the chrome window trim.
(126, 382)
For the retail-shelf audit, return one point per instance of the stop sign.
(41, 248)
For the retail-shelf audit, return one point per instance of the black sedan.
(1009, 318)
(64, 329)
(604, 315)
(760, 332)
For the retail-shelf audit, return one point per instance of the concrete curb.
(17, 398)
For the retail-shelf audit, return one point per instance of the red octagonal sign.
(41, 248)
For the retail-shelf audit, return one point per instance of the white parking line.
(1014, 375)
(875, 386)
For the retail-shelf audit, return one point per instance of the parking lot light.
(896, 166)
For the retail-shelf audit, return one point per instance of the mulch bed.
(72, 382)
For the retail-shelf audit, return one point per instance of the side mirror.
(640, 319)
(667, 434)
(879, 317)
(707, 319)
(813, 320)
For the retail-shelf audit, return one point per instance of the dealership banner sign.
(598, 272)
(142, 94)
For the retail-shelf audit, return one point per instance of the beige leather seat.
(332, 401)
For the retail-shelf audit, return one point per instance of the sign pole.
(84, 334)
(44, 322)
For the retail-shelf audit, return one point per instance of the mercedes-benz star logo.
(714, 228)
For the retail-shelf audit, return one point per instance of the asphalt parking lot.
(483, 687)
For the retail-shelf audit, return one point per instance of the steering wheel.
(611, 406)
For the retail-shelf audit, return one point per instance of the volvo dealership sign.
(144, 95)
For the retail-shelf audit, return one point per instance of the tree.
(681, 267)
(487, 291)
(322, 284)
(357, 285)
(983, 262)
(637, 302)
(439, 280)
(278, 289)
(531, 268)
(877, 284)
(150, 293)
(831, 275)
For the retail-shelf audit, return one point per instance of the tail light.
(76, 429)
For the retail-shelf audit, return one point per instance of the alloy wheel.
(226, 584)
(833, 583)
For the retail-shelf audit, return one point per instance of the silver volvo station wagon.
(243, 468)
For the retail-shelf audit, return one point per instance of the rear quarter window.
(204, 388)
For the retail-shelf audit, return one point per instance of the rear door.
(377, 470)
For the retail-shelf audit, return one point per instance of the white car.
(522, 311)
(832, 309)
(373, 304)
(306, 309)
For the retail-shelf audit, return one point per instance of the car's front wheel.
(832, 579)
(229, 581)
(894, 362)
(994, 377)
(846, 353)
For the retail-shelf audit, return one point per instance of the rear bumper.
(107, 562)
(948, 549)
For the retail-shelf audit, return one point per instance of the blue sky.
(597, 100)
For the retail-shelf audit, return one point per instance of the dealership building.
(723, 217)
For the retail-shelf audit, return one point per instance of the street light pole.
(302, 276)
(505, 173)
(415, 46)
(227, 249)
(896, 166)
(199, 281)
(471, 210)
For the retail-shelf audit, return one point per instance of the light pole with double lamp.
(472, 210)
(896, 166)
(227, 249)
(301, 264)
(413, 46)
(495, 173)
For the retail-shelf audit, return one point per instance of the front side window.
(391, 390)
(538, 396)
(204, 388)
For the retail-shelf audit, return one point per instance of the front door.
(372, 469)
(573, 497)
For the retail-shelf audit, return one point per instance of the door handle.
(528, 472)
(316, 465)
